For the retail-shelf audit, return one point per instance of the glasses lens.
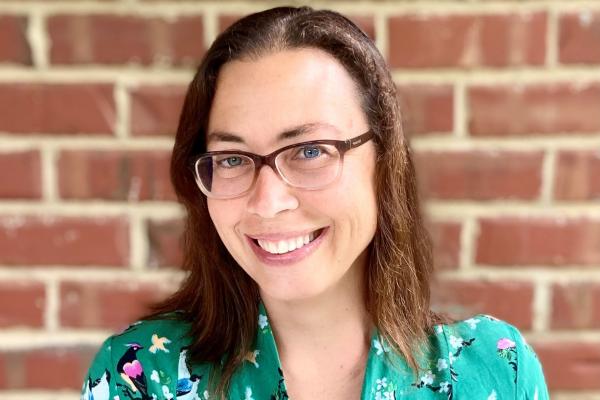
(225, 175)
(309, 166)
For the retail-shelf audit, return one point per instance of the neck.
(334, 321)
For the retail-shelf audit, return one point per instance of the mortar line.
(51, 312)
(445, 142)
(138, 243)
(552, 37)
(95, 273)
(517, 144)
(468, 240)
(548, 172)
(38, 395)
(524, 273)
(49, 174)
(56, 143)
(38, 42)
(169, 277)
(98, 73)
(211, 25)
(437, 208)
(460, 112)
(182, 7)
(541, 306)
(504, 208)
(122, 109)
(381, 33)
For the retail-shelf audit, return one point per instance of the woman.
(309, 264)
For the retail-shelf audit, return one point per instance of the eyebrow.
(294, 132)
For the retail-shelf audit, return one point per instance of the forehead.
(258, 100)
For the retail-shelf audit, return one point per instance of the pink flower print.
(507, 349)
(505, 344)
(133, 369)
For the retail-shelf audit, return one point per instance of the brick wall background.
(501, 101)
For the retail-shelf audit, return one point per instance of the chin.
(291, 292)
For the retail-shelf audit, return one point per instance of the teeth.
(285, 246)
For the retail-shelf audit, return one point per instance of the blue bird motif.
(187, 384)
(97, 389)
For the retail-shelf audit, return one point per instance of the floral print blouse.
(478, 358)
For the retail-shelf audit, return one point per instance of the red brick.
(226, 20)
(465, 41)
(576, 306)
(364, 22)
(579, 38)
(533, 109)
(480, 175)
(446, 244)
(539, 241)
(510, 301)
(570, 365)
(426, 108)
(51, 368)
(54, 240)
(22, 304)
(119, 39)
(20, 175)
(57, 108)
(112, 305)
(115, 175)
(14, 47)
(577, 175)
(165, 239)
(155, 109)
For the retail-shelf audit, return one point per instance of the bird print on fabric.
(470, 359)
(132, 372)
(251, 357)
(97, 389)
(187, 383)
(158, 343)
(187, 388)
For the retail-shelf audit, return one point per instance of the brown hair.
(218, 298)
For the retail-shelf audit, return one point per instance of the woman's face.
(258, 100)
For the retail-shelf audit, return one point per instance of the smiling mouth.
(288, 245)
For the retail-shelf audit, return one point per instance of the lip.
(288, 258)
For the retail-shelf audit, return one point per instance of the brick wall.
(501, 101)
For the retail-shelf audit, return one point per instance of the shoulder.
(169, 326)
(489, 358)
(150, 347)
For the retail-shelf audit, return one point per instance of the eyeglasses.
(308, 165)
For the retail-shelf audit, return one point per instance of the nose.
(270, 195)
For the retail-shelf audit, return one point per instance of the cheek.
(360, 199)
(223, 216)
(351, 205)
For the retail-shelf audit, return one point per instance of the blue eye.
(230, 162)
(233, 161)
(311, 152)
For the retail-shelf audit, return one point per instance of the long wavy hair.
(217, 298)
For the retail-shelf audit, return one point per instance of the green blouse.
(478, 358)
